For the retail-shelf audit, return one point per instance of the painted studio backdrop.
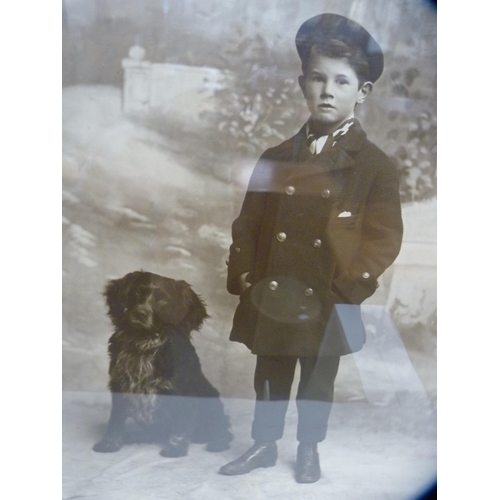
(167, 105)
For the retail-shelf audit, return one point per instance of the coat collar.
(338, 157)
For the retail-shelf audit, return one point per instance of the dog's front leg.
(113, 438)
(180, 414)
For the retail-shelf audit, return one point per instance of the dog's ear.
(115, 293)
(195, 310)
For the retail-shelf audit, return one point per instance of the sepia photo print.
(236, 265)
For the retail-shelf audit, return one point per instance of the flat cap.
(321, 28)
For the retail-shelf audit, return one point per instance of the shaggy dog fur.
(155, 374)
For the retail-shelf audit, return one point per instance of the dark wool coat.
(315, 232)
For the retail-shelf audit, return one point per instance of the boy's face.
(330, 87)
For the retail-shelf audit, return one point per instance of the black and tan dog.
(155, 373)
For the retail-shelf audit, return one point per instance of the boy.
(320, 222)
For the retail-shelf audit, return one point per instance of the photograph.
(249, 249)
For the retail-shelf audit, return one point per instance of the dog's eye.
(159, 296)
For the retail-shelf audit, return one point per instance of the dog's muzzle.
(141, 316)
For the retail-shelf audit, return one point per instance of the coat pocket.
(345, 332)
(349, 222)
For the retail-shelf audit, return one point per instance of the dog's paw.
(107, 445)
(176, 447)
(216, 446)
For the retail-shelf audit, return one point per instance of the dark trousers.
(314, 396)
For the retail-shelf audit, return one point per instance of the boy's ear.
(302, 84)
(364, 92)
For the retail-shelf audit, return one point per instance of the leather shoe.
(259, 455)
(308, 469)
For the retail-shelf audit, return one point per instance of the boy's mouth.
(325, 106)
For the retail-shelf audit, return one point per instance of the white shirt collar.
(317, 145)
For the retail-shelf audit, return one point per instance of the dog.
(155, 374)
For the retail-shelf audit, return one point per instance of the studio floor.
(371, 452)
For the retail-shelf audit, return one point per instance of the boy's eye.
(316, 78)
(342, 81)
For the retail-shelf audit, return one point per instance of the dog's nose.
(140, 315)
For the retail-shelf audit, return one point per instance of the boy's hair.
(339, 50)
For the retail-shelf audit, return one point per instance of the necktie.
(316, 144)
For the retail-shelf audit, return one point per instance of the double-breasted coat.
(314, 233)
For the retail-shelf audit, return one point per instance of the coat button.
(290, 190)
(273, 285)
(366, 275)
(281, 236)
(308, 292)
(325, 194)
(317, 243)
(237, 249)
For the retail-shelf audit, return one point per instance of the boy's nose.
(327, 90)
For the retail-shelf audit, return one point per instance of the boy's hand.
(244, 284)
